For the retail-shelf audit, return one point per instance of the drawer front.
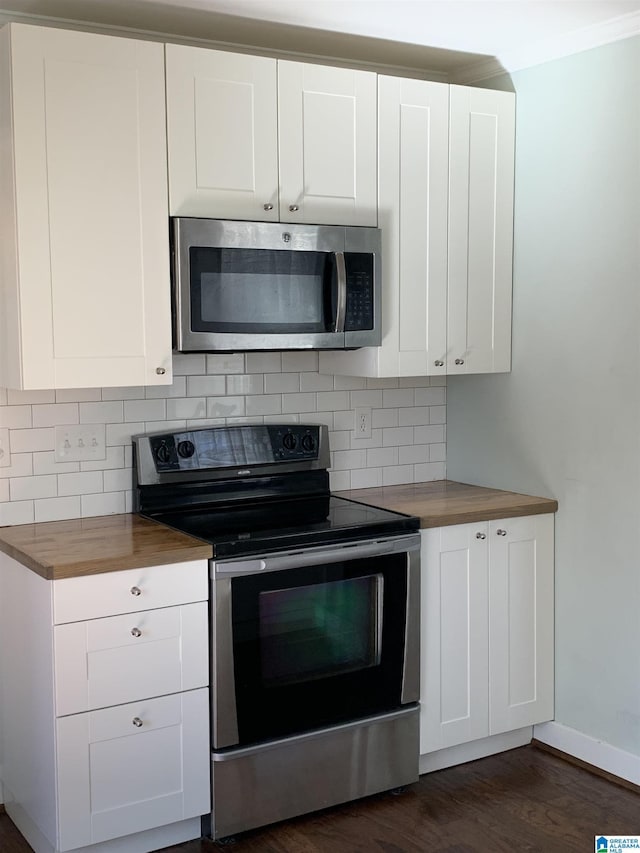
(103, 662)
(110, 593)
(127, 769)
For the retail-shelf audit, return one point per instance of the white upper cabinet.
(255, 138)
(481, 170)
(445, 173)
(327, 144)
(222, 134)
(85, 283)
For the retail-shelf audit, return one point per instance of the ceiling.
(453, 39)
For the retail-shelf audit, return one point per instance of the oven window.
(253, 291)
(320, 630)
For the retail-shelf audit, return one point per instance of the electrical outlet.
(363, 422)
(5, 453)
(80, 443)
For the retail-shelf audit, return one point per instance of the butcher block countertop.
(445, 502)
(88, 546)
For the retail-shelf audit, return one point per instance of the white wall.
(566, 422)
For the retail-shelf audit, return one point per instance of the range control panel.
(234, 447)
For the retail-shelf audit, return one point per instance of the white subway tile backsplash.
(145, 410)
(82, 483)
(17, 398)
(111, 412)
(78, 395)
(396, 397)
(30, 488)
(206, 386)
(299, 403)
(178, 388)
(407, 442)
(17, 512)
(263, 362)
(55, 414)
(281, 383)
(55, 509)
(189, 407)
(226, 363)
(111, 503)
(16, 417)
(248, 383)
(302, 362)
(30, 440)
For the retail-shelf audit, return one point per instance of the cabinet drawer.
(104, 662)
(127, 769)
(93, 596)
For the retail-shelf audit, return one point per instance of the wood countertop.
(445, 502)
(87, 546)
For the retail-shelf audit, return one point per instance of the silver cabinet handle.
(439, 363)
(136, 632)
(481, 535)
(160, 371)
(135, 590)
(501, 532)
(268, 206)
(293, 208)
(137, 722)
(459, 360)
(341, 309)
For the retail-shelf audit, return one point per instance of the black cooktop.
(262, 528)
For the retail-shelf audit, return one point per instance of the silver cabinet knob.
(136, 632)
(501, 532)
(459, 360)
(160, 371)
(481, 535)
(137, 722)
(135, 590)
(439, 363)
(268, 206)
(293, 208)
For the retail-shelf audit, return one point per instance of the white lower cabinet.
(487, 638)
(105, 707)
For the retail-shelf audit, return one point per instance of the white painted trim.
(620, 763)
(474, 749)
(585, 38)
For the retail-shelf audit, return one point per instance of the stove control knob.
(308, 443)
(163, 453)
(186, 449)
(289, 441)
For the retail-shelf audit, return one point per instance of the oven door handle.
(341, 308)
(315, 556)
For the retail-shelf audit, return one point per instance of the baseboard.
(473, 750)
(595, 755)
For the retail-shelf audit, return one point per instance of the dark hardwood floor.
(518, 801)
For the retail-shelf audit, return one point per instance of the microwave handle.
(341, 309)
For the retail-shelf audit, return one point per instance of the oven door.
(313, 639)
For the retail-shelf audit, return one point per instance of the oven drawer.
(93, 596)
(103, 662)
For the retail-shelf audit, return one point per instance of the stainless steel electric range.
(314, 609)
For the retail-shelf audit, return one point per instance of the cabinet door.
(481, 162)
(327, 144)
(222, 134)
(133, 767)
(454, 645)
(90, 278)
(521, 622)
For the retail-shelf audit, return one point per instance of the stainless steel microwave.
(274, 286)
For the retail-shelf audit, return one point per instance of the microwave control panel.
(359, 268)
